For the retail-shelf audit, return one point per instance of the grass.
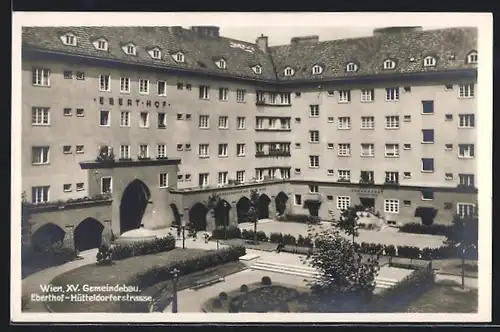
(453, 266)
(121, 272)
(262, 245)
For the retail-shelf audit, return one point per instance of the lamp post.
(184, 222)
(175, 276)
(226, 219)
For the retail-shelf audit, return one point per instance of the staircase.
(306, 272)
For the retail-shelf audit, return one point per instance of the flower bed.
(416, 228)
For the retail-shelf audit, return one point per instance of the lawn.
(120, 273)
(454, 266)
(444, 298)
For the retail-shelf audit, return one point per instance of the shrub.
(261, 236)
(244, 288)
(409, 252)
(301, 250)
(417, 228)
(302, 218)
(121, 251)
(283, 307)
(247, 234)
(232, 232)
(48, 255)
(289, 239)
(266, 281)
(217, 303)
(223, 296)
(233, 307)
(390, 250)
(276, 237)
(304, 241)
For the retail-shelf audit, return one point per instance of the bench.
(207, 282)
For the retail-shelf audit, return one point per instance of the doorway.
(367, 202)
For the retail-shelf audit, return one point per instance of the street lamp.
(226, 219)
(175, 277)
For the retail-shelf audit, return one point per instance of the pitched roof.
(450, 47)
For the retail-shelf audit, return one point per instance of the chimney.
(206, 31)
(262, 43)
(304, 40)
(395, 30)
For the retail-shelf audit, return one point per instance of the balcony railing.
(366, 181)
(265, 103)
(273, 153)
(344, 180)
(391, 183)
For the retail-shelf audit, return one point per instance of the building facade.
(387, 121)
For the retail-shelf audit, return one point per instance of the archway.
(46, 236)
(313, 207)
(426, 214)
(88, 234)
(242, 207)
(263, 208)
(222, 213)
(281, 200)
(135, 200)
(198, 217)
(177, 215)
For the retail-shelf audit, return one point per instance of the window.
(427, 165)
(102, 45)
(466, 150)
(143, 151)
(259, 123)
(221, 64)
(203, 179)
(297, 145)
(223, 122)
(203, 151)
(465, 209)
(391, 206)
(240, 122)
(130, 49)
(80, 112)
(367, 176)
(367, 95)
(144, 86)
(407, 146)
(317, 69)
(259, 174)
(187, 177)
(297, 171)
(466, 121)
(223, 178)
(179, 147)
(104, 83)
(80, 186)
(314, 111)
(427, 195)
(162, 120)
(297, 120)
(204, 122)
(367, 149)
(67, 149)
(344, 123)
(161, 151)
(351, 67)
(427, 136)
(79, 149)
(330, 93)
(391, 94)
(343, 202)
(240, 96)
(223, 94)
(407, 203)
(180, 177)
(106, 185)
(257, 69)
(407, 88)
(344, 96)
(389, 64)
(427, 106)
(40, 155)
(223, 150)
(240, 150)
(273, 123)
(329, 145)
(40, 194)
(188, 117)
(466, 180)
(179, 116)
(392, 177)
(448, 117)
(313, 189)
(313, 161)
(344, 149)
(180, 86)
(472, 58)
(297, 199)
(289, 71)
(179, 57)
(163, 180)
(465, 90)
(240, 176)
(41, 77)
(40, 116)
(367, 122)
(344, 175)
(392, 150)
(330, 119)
(313, 136)
(161, 87)
(330, 172)
(80, 75)
(156, 54)
(125, 119)
(204, 92)
(188, 147)
(125, 84)
(124, 151)
(407, 118)
(104, 118)
(429, 61)
(392, 122)
(144, 119)
(448, 87)
(68, 74)
(407, 175)
(448, 176)
(69, 39)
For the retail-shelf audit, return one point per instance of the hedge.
(46, 256)
(231, 232)
(122, 251)
(301, 218)
(417, 228)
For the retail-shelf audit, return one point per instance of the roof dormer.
(472, 57)
(317, 69)
(69, 39)
(179, 57)
(129, 48)
(389, 64)
(155, 53)
(101, 44)
(351, 67)
(289, 71)
(257, 69)
(221, 63)
(429, 61)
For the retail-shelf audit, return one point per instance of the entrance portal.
(263, 206)
(88, 234)
(221, 211)
(198, 217)
(242, 208)
(367, 202)
(134, 201)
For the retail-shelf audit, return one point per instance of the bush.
(121, 251)
(276, 237)
(217, 303)
(390, 250)
(261, 236)
(417, 228)
(266, 281)
(289, 239)
(223, 296)
(304, 241)
(244, 288)
(302, 218)
(48, 255)
(301, 250)
(233, 232)
(409, 252)
(247, 234)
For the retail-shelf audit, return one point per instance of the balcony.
(366, 182)
(344, 180)
(263, 102)
(274, 129)
(464, 188)
(391, 184)
(273, 153)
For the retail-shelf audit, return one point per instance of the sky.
(282, 35)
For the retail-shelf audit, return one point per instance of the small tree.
(463, 236)
(253, 211)
(348, 222)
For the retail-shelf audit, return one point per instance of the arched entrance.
(88, 234)
(198, 217)
(177, 215)
(242, 207)
(46, 236)
(222, 213)
(426, 214)
(281, 200)
(313, 207)
(263, 208)
(134, 201)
